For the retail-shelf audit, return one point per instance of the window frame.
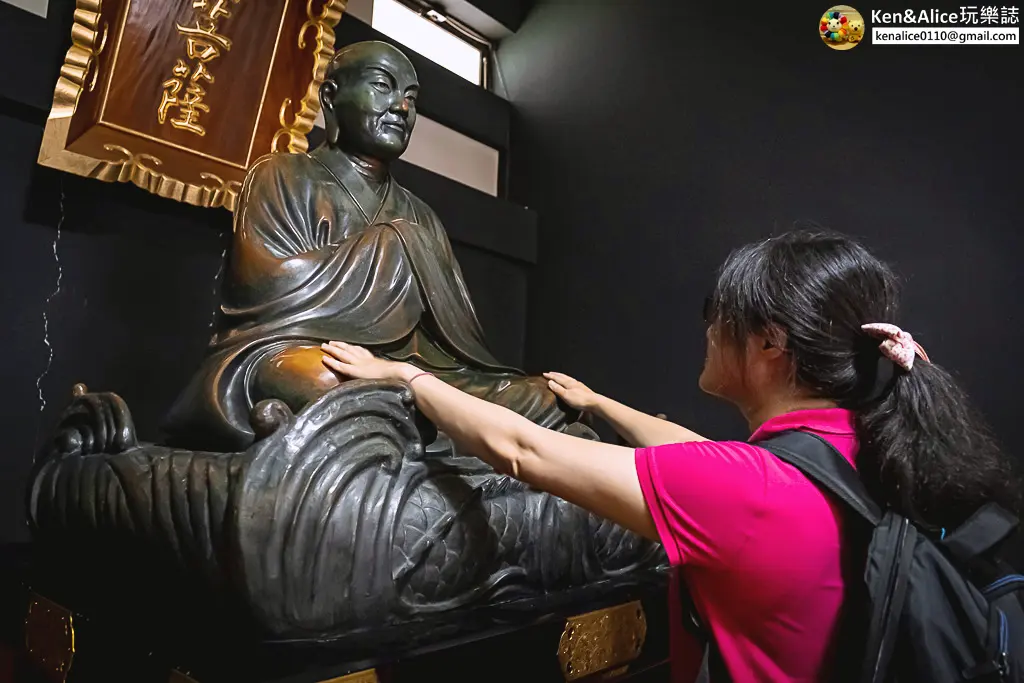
(456, 28)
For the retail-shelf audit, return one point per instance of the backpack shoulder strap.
(820, 462)
(982, 531)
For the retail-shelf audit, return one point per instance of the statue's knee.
(295, 375)
(540, 385)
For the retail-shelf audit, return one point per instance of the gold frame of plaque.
(180, 97)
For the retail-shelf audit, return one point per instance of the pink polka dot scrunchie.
(897, 345)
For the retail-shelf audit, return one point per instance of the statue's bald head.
(369, 100)
(353, 58)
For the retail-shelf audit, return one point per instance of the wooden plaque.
(180, 97)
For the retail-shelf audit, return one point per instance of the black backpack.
(917, 616)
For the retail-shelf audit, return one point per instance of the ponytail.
(927, 454)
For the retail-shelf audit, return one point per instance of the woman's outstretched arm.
(596, 476)
(637, 428)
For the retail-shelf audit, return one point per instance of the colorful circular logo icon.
(841, 27)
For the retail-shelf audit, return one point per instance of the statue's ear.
(328, 91)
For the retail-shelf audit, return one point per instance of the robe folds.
(322, 253)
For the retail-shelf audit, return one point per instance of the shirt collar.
(838, 421)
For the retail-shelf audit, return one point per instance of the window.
(395, 20)
(33, 6)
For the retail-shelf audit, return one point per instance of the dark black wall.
(138, 273)
(134, 306)
(654, 137)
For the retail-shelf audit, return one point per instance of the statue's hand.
(574, 392)
(358, 363)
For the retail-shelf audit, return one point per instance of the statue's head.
(369, 100)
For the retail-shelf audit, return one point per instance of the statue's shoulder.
(281, 164)
(423, 210)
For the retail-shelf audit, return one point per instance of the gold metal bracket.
(366, 676)
(603, 641)
(49, 637)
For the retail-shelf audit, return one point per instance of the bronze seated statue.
(325, 505)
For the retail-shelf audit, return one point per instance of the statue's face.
(370, 102)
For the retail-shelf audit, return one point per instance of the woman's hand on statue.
(574, 392)
(358, 363)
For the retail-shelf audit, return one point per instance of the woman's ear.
(773, 340)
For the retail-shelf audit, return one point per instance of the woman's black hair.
(924, 451)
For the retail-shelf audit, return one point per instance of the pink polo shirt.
(758, 545)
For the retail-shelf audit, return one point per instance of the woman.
(794, 342)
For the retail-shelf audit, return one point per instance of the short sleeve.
(705, 497)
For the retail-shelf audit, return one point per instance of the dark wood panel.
(232, 78)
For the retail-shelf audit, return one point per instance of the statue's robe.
(322, 253)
